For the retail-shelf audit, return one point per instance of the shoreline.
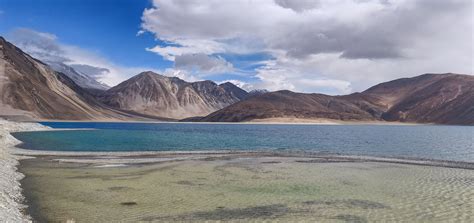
(151, 157)
(267, 121)
(133, 157)
(12, 208)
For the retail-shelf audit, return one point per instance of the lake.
(455, 143)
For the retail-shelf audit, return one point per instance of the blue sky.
(324, 46)
(107, 27)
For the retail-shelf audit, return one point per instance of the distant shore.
(289, 120)
(281, 121)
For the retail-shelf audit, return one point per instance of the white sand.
(10, 191)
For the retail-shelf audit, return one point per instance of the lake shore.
(122, 161)
(11, 207)
(151, 157)
(266, 121)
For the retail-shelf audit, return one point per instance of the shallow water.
(249, 189)
(454, 143)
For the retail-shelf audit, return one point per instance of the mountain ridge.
(152, 93)
(29, 87)
(428, 98)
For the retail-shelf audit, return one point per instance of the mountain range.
(30, 88)
(56, 91)
(51, 91)
(429, 98)
(153, 94)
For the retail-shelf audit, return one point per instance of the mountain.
(257, 92)
(80, 78)
(234, 90)
(290, 104)
(429, 98)
(154, 94)
(30, 88)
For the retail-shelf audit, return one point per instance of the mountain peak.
(155, 76)
(33, 89)
(149, 74)
(154, 94)
(227, 83)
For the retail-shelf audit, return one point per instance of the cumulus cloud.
(181, 74)
(298, 6)
(38, 44)
(341, 45)
(291, 75)
(203, 63)
(94, 72)
(241, 84)
(46, 47)
(187, 46)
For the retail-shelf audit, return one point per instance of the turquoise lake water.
(419, 141)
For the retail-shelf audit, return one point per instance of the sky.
(321, 46)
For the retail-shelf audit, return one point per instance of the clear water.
(258, 189)
(420, 141)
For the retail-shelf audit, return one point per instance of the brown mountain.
(290, 104)
(154, 94)
(30, 88)
(429, 98)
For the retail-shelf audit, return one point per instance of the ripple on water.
(252, 190)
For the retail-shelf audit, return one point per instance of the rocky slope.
(429, 98)
(30, 88)
(290, 104)
(154, 94)
(81, 79)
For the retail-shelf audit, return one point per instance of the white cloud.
(187, 46)
(343, 45)
(181, 74)
(291, 75)
(241, 84)
(41, 45)
(298, 6)
(203, 63)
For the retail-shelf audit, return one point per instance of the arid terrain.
(33, 90)
(429, 98)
